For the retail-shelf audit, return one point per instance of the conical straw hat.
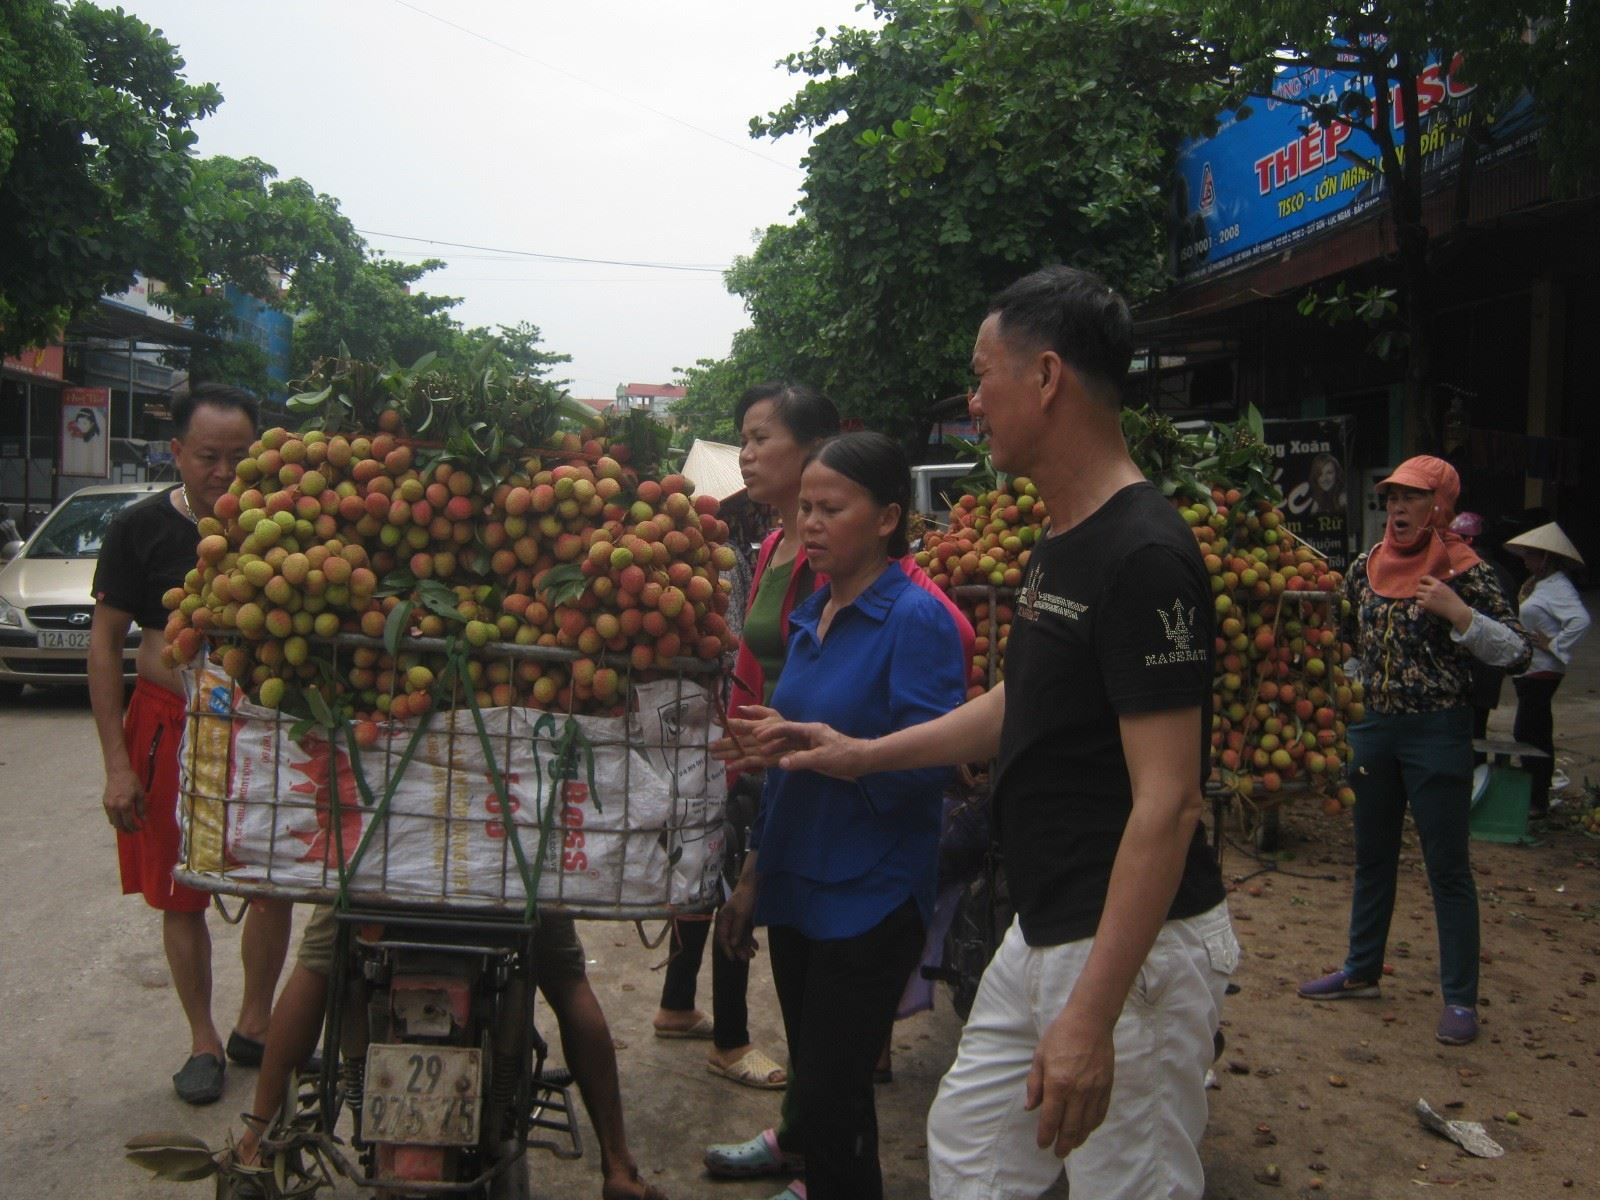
(1550, 539)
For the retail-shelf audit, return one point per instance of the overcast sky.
(615, 130)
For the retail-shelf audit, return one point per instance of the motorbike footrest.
(553, 1110)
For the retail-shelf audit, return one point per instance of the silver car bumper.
(22, 660)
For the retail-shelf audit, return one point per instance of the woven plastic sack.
(610, 813)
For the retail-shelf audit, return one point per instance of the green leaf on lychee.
(394, 627)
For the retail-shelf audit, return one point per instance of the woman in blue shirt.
(843, 873)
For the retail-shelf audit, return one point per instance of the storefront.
(1266, 212)
(30, 408)
(105, 387)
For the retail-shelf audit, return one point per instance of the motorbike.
(430, 1046)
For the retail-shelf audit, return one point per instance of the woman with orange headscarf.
(1421, 607)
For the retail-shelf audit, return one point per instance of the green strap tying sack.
(380, 806)
(569, 741)
(529, 875)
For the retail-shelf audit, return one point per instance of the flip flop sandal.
(754, 1070)
(245, 1051)
(700, 1030)
(199, 1081)
(795, 1191)
(238, 1181)
(760, 1156)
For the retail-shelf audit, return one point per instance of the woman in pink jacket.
(779, 424)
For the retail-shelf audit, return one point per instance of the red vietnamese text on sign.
(42, 362)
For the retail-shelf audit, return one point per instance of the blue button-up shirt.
(836, 856)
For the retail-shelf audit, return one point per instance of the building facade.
(1273, 209)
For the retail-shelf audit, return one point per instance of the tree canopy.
(99, 182)
(95, 161)
(958, 146)
(265, 236)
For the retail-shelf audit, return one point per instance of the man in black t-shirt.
(1092, 1030)
(148, 549)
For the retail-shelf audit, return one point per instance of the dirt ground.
(1324, 1093)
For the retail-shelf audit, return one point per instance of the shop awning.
(118, 322)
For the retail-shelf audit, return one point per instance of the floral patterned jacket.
(1409, 660)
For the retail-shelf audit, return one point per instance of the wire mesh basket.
(616, 816)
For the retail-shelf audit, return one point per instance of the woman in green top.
(778, 423)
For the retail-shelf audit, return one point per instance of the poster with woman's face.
(86, 432)
(1312, 457)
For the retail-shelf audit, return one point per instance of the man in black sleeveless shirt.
(149, 548)
(1092, 1031)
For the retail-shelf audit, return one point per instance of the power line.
(553, 280)
(589, 83)
(559, 258)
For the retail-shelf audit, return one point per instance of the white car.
(45, 602)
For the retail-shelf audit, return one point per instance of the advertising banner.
(86, 432)
(42, 362)
(1313, 458)
(1270, 177)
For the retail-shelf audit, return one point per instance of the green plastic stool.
(1500, 803)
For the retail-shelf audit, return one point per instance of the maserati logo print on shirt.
(1180, 630)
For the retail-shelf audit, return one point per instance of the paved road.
(92, 1032)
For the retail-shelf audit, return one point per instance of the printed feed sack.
(612, 813)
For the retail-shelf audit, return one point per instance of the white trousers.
(981, 1143)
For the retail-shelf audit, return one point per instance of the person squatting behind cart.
(843, 874)
(562, 978)
(149, 548)
(1554, 616)
(1421, 606)
(1093, 1027)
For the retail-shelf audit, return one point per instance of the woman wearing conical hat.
(1550, 610)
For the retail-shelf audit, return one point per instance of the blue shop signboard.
(1270, 177)
(268, 329)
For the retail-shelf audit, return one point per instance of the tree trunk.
(1402, 169)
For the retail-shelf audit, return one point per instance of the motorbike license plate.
(63, 639)
(422, 1095)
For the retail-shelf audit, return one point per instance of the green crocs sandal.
(760, 1156)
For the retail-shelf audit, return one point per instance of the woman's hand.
(752, 743)
(736, 922)
(1441, 600)
(1541, 640)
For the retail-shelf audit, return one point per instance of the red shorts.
(152, 730)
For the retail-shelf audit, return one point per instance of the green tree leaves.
(94, 160)
(956, 148)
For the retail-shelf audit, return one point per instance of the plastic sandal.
(755, 1070)
(759, 1156)
(700, 1030)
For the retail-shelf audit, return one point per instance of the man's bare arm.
(1071, 1079)
(123, 798)
(970, 733)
